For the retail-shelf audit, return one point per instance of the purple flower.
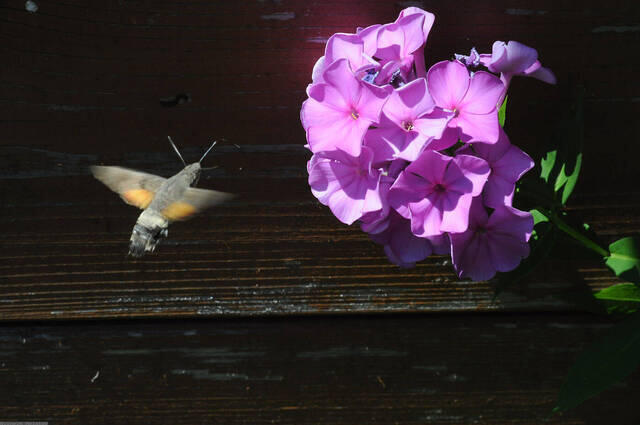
(513, 58)
(435, 192)
(369, 37)
(473, 100)
(397, 43)
(340, 110)
(409, 122)
(508, 164)
(490, 244)
(344, 46)
(402, 247)
(471, 61)
(346, 184)
(378, 221)
(418, 55)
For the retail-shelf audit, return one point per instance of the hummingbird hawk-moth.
(163, 200)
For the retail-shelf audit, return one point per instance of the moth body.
(152, 224)
(163, 200)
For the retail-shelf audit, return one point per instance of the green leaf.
(627, 292)
(546, 164)
(621, 298)
(560, 167)
(569, 180)
(538, 217)
(625, 258)
(605, 362)
(502, 112)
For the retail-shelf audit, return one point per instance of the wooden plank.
(438, 369)
(273, 250)
(92, 82)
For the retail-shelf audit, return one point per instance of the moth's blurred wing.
(193, 201)
(134, 187)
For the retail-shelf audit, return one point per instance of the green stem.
(562, 225)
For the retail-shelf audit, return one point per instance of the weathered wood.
(95, 82)
(63, 256)
(468, 369)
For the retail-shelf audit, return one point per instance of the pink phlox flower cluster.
(418, 156)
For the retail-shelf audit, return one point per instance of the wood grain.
(95, 82)
(64, 257)
(439, 369)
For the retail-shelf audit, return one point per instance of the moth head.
(193, 171)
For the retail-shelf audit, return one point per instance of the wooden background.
(105, 82)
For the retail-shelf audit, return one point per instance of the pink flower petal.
(513, 164)
(382, 140)
(372, 99)
(390, 43)
(414, 35)
(409, 102)
(346, 209)
(318, 70)
(467, 174)
(448, 82)
(429, 18)
(440, 244)
(339, 75)
(343, 133)
(433, 124)
(508, 220)
(455, 215)
(345, 46)
(328, 96)
(431, 166)
(544, 74)
(490, 152)
(511, 57)
(498, 192)
(480, 128)
(408, 188)
(346, 184)
(485, 90)
(472, 259)
(506, 251)
(426, 219)
(449, 138)
(323, 181)
(369, 37)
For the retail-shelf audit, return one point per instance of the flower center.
(439, 188)
(407, 125)
(354, 114)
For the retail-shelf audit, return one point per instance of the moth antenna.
(177, 151)
(205, 154)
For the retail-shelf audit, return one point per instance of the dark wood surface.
(86, 83)
(463, 369)
(97, 82)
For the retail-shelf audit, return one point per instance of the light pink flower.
(513, 58)
(490, 244)
(435, 192)
(408, 124)
(346, 184)
(402, 247)
(473, 100)
(339, 111)
(397, 44)
(344, 46)
(508, 164)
